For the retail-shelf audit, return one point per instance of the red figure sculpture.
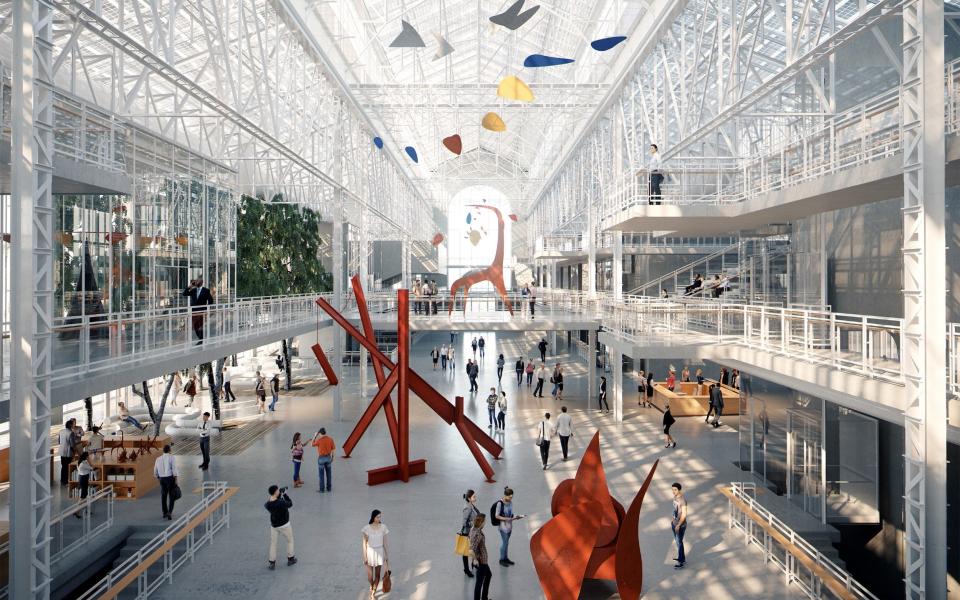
(590, 535)
(493, 273)
(404, 380)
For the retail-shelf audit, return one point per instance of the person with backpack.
(470, 514)
(501, 515)
(529, 371)
(545, 432)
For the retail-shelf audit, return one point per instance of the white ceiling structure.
(418, 99)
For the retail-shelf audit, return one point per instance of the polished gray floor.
(423, 515)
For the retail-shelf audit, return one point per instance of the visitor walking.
(500, 363)
(678, 523)
(296, 455)
(518, 369)
(478, 547)
(558, 382)
(649, 387)
(443, 357)
(542, 347)
(564, 430)
(602, 398)
(165, 469)
(204, 430)
(191, 389)
(260, 387)
(642, 388)
(717, 398)
(84, 470)
(492, 407)
(532, 299)
(503, 517)
(279, 505)
(668, 422)
(502, 414)
(274, 391)
(325, 451)
(711, 402)
(541, 375)
(435, 357)
(375, 550)
(699, 377)
(473, 345)
(473, 371)
(200, 297)
(451, 357)
(545, 432)
(228, 394)
(470, 513)
(481, 343)
(529, 371)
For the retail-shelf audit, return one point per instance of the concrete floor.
(424, 515)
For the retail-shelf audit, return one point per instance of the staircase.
(723, 261)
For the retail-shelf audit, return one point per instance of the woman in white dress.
(375, 550)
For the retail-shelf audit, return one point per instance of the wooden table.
(685, 401)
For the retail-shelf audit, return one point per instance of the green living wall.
(278, 249)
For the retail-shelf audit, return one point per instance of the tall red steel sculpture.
(493, 273)
(590, 535)
(404, 379)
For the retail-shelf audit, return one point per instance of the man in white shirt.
(564, 429)
(545, 431)
(227, 391)
(656, 177)
(165, 469)
(65, 446)
(541, 375)
(204, 428)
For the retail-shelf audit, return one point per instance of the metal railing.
(803, 565)
(702, 264)
(68, 533)
(195, 528)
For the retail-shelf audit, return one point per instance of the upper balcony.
(850, 159)
(564, 247)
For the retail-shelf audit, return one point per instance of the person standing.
(685, 374)
(84, 469)
(717, 405)
(228, 394)
(541, 375)
(95, 443)
(542, 347)
(274, 391)
(260, 386)
(724, 376)
(650, 388)
(481, 343)
(558, 379)
(735, 379)
(474, 345)
(374, 544)
(470, 513)
(642, 388)
(492, 408)
(165, 469)
(518, 369)
(602, 398)
(564, 430)
(452, 357)
(699, 377)
(500, 363)
(678, 523)
(204, 428)
(529, 371)
(502, 414)
(668, 422)
(474, 370)
(325, 451)
(656, 177)
(435, 357)
(443, 357)
(296, 455)
(417, 295)
(279, 505)
(545, 432)
(478, 547)
(503, 510)
(532, 299)
(672, 379)
(200, 297)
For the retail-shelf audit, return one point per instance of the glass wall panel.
(852, 469)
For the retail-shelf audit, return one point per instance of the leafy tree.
(278, 249)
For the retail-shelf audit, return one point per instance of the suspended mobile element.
(408, 38)
(513, 217)
(541, 60)
(378, 142)
(604, 44)
(453, 144)
(443, 47)
(412, 153)
(513, 88)
(493, 122)
(512, 18)
(437, 240)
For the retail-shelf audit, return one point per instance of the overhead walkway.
(851, 159)
(564, 247)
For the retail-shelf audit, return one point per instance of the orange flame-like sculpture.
(590, 535)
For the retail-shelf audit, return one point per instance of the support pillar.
(924, 297)
(592, 386)
(617, 266)
(615, 393)
(31, 309)
(406, 265)
(337, 300)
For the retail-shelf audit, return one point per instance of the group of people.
(472, 542)
(326, 449)
(445, 355)
(424, 293)
(716, 286)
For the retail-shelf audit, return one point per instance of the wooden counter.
(130, 479)
(686, 402)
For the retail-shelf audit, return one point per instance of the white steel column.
(617, 265)
(31, 307)
(338, 294)
(924, 299)
(592, 386)
(616, 374)
(591, 273)
(405, 265)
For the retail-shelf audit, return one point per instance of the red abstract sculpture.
(404, 379)
(590, 535)
(493, 273)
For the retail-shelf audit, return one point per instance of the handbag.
(387, 583)
(462, 547)
(176, 493)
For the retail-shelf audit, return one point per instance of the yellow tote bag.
(463, 546)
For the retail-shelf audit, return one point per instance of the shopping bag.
(463, 545)
(387, 583)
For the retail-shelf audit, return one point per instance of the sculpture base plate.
(392, 473)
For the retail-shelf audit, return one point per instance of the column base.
(392, 473)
